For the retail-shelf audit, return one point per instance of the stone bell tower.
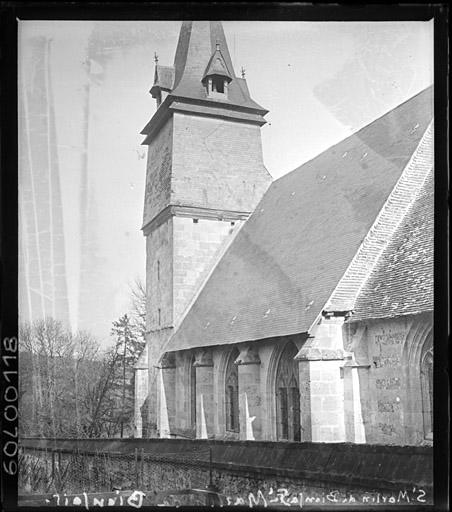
(205, 176)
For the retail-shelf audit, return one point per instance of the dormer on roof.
(163, 81)
(217, 76)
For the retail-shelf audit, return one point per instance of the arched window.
(288, 396)
(232, 393)
(427, 388)
(192, 393)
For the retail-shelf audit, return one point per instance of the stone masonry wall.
(159, 277)
(321, 384)
(158, 173)
(369, 391)
(159, 306)
(141, 393)
(387, 352)
(322, 473)
(196, 245)
(217, 164)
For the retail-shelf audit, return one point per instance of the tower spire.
(202, 72)
(198, 40)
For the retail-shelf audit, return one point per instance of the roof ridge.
(354, 134)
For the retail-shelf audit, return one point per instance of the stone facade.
(158, 173)
(393, 379)
(217, 163)
(359, 382)
(197, 245)
(141, 392)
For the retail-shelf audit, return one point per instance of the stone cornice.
(248, 355)
(320, 354)
(208, 108)
(221, 111)
(203, 357)
(195, 212)
(350, 364)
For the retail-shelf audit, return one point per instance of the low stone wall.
(328, 473)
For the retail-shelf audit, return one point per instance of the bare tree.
(129, 344)
(138, 307)
(69, 387)
(56, 370)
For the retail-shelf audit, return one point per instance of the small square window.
(195, 221)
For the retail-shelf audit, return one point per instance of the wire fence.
(45, 471)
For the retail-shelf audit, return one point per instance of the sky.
(320, 81)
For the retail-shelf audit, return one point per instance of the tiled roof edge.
(352, 319)
(391, 215)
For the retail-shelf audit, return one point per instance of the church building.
(293, 310)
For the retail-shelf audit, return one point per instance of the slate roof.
(195, 53)
(164, 77)
(217, 66)
(283, 265)
(197, 44)
(402, 281)
(393, 212)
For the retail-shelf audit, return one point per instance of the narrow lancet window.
(192, 394)
(427, 389)
(288, 396)
(232, 393)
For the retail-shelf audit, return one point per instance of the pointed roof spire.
(201, 50)
(198, 40)
(200, 45)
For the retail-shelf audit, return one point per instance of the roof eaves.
(372, 316)
(252, 109)
(203, 109)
